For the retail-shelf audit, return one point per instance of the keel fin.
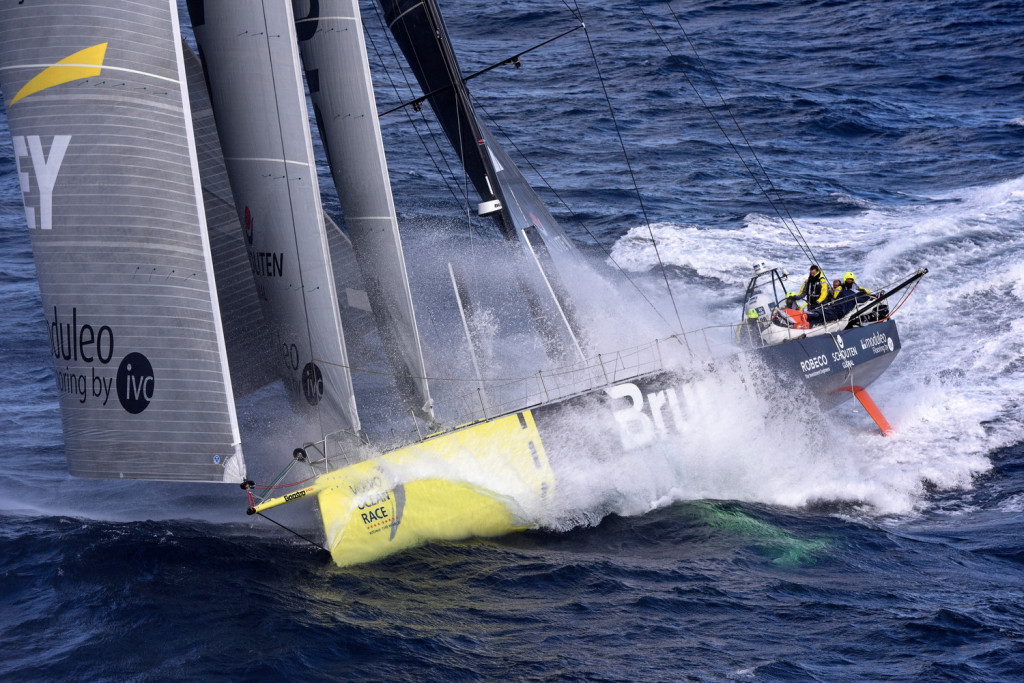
(869, 405)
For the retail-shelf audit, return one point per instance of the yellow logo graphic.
(82, 64)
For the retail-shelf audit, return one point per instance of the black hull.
(831, 366)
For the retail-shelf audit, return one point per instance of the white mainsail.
(333, 48)
(99, 116)
(252, 65)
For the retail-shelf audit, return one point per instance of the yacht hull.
(833, 365)
(485, 479)
(494, 477)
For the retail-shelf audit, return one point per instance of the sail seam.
(400, 16)
(304, 164)
(105, 68)
(319, 19)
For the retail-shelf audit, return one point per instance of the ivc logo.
(312, 383)
(135, 383)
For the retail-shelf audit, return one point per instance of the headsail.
(99, 115)
(252, 64)
(246, 333)
(333, 49)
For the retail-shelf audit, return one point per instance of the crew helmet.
(849, 276)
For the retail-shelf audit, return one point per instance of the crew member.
(849, 296)
(814, 289)
(850, 282)
(749, 332)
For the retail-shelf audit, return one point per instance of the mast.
(333, 48)
(99, 116)
(419, 30)
(251, 59)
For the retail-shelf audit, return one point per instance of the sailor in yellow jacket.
(815, 288)
(850, 282)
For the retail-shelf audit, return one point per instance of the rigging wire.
(514, 60)
(465, 192)
(570, 369)
(736, 123)
(248, 485)
(794, 229)
(901, 302)
(293, 531)
(579, 15)
(412, 121)
(437, 24)
(576, 218)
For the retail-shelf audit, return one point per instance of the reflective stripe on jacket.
(815, 288)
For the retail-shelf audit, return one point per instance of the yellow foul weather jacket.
(815, 288)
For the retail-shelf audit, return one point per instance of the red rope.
(902, 301)
(283, 486)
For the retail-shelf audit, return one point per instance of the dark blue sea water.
(774, 544)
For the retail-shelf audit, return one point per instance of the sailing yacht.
(185, 261)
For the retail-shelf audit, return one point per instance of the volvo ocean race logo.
(85, 348)
(379, 505)
(312, 383)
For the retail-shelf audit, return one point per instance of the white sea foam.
(952, 393)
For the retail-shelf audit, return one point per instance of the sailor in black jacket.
(814, 289)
